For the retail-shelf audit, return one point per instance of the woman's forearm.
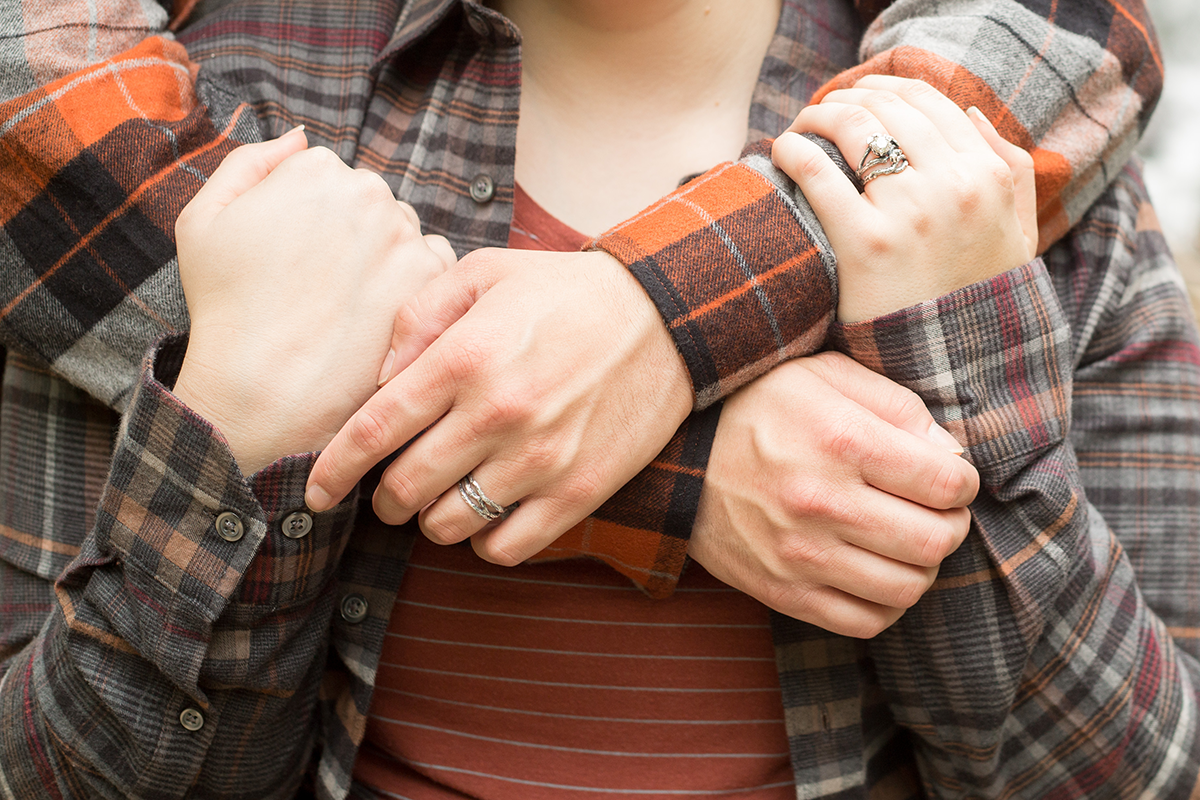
(181, 633)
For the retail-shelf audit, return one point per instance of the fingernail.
(940, 436)
(979, 115)
(386, 371)
(316, 498)
(296, 129)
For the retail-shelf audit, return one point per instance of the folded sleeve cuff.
(992, 362)
(738, 267)
(643, 530)
(182, 537)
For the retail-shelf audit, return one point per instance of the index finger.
(394, 415)
(242, 170)
(911, 456)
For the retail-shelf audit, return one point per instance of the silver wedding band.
(882, 157)
(479, 502)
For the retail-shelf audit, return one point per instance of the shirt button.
(229, 526)
(191, 719)
(482, 189)
(297, 524)
(479, 24)
(354, 608)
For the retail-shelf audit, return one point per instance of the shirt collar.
(419, 17)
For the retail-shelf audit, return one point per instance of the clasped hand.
(292, 265)
(831, 495)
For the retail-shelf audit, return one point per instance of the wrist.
(643, 315)
(246, 420)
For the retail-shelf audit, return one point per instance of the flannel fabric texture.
(1036, 666)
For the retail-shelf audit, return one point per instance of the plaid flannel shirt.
(152, 614)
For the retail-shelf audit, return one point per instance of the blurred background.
(1170, 143)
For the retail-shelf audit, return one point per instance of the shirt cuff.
(992, 362)
(643, 530)
(739, 269)
(182, 535)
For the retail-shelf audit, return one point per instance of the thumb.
(245, 168)
(425, 316)
(883, 397)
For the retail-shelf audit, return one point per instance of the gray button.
(191, 719)
(297, 524)
(478, 23)
(482, 188)
(354, 608)
(229, 526)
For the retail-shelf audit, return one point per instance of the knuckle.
(880, 98)
(910, 589)
(462, 362)
(954, 484)
(870, 625)
(410, 314)
(999, 173)
(843, 440)
(400, 491)
(794, 599)
(497, 551)
(442, 528)
(373, 190)
(943, 538)
(808, 164)
(408, 211)
(441, 252)
(915, 88)
(876, 244)
(316, 161)
(857, 118)
(368, 431)
(185, 222)
(581, 490)
(923, 222)
(1022, 158)
(968, 195)
(934, 546)
(483, 261)
(322, 156)
(803, 553)
(508, 406)
(909, 405)
(541, 456)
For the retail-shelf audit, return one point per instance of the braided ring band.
(479, 502)
(882, 157)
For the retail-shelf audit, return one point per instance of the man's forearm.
(1079, 663)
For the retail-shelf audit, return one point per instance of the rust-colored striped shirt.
(564, 670)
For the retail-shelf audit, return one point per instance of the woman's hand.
(293, 265)
(963, 210)
(831, 495)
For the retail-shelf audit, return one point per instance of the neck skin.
(621, 99)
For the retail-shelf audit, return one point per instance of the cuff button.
(229, 526)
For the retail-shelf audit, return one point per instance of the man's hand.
(831, 495)
(548, 376)
(292, 265)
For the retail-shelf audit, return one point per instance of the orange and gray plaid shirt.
(146, 655)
